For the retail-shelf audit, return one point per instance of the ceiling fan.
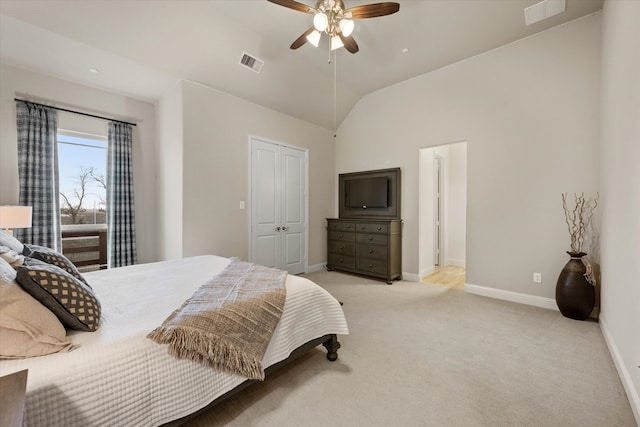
(331, 17)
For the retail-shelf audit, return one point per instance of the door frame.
(439, 192)
(249, 206)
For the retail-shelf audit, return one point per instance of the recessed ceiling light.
(405, 50)
(93, 70)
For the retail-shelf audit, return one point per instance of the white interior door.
(278, 206)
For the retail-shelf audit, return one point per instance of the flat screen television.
(370, 194)
(367, 193)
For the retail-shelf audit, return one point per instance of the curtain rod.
(75, 112)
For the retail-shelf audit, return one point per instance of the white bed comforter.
(117, 377)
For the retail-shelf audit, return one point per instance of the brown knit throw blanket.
(229, 321)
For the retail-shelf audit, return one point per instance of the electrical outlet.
(537, 277)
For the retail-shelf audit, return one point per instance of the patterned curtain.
(121, 227)
(38, 173)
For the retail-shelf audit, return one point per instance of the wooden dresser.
(363, 246)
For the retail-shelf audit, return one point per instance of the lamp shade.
(15, 217)
(336, 43)
(320, 21)
(314, 38)
(346, 26)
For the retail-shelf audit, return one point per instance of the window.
(82, 164)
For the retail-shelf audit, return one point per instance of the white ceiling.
(141, 47)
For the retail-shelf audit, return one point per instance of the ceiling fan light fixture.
(336, 43)
(320, 21)
(346, 26)
(331, 17)
(314, 38)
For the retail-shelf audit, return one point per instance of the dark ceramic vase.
(575, 296)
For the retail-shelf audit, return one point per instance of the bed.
(116, 376)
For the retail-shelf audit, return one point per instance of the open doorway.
(442, 214)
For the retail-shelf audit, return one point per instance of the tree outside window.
(82, 163)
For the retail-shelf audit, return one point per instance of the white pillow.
(11, 242)
(7, 273)
(12, 257)
(27, 328)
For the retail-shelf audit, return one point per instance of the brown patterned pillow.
(67, 297)
(27, 328)
(50, 256)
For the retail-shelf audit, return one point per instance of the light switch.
(241, 204)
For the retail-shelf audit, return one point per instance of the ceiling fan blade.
(292, 4)
(372, 10)
(302, 39)
(349, 43)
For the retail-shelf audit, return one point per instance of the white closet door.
(278, 206)
(293, 210)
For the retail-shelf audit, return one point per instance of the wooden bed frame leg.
(332, 345)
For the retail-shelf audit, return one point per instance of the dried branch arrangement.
(579, 218)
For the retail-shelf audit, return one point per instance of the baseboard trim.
(533, 300)
(623, 372)
(456, 262)
(315, 267)
(410, 277)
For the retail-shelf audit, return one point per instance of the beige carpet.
(423, 355)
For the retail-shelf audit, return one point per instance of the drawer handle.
(370, 251)
(379, 228)
(370, 238)
(341, 260)
(370, 265)
(348, 226)
(364, 227)
(341, 235)
(341, 247)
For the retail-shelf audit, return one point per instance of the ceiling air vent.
(543, 10)
(251, 62)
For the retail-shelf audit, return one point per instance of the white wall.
(620, 184)
(425, 213)
(170, 170)
(15, 82)
(457, 204)
(529, 112)
(215, 164)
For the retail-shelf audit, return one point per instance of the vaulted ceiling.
(141, 47)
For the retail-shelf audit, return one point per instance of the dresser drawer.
(341, 226)
(343, 248)
(338, 260)
(372, 227)
(376, 239)
(372, 251)
(372, 265)
(342, 236)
